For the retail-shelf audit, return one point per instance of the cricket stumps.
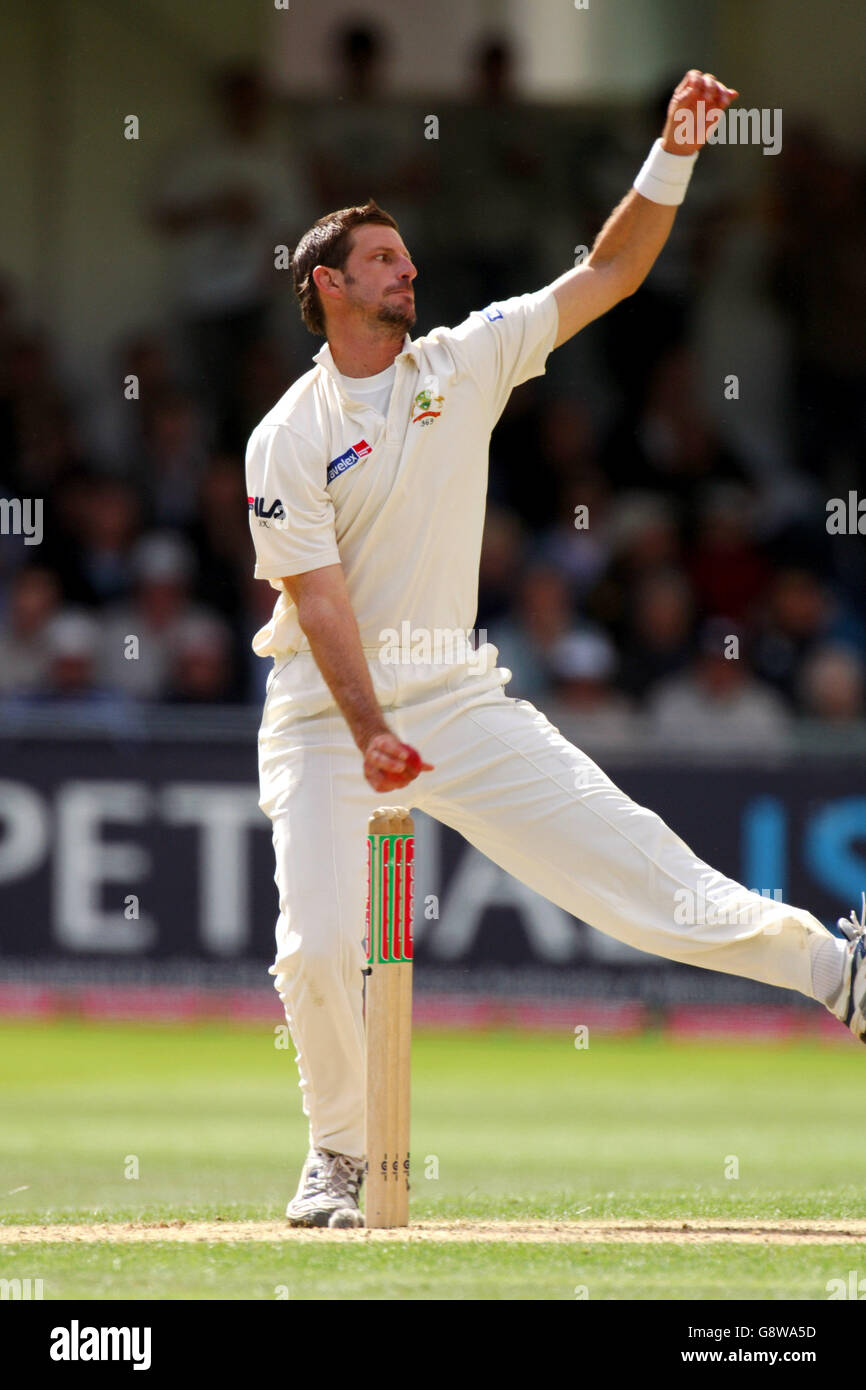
(388, 1014)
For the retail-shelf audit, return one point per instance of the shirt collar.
(325, 360)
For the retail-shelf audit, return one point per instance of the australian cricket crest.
(427, 405)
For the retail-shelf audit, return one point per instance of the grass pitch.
(202, 1124)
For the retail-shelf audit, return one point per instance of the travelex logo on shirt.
(259, 507)
(492, 313)
(352, 455)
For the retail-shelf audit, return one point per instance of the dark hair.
(328, 242)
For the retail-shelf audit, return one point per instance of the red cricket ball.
(413, 760)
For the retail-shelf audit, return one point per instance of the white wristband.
(664, 177)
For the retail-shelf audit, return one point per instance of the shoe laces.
(850, 926)
(334, 1173)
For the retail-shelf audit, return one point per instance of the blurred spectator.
(94, 559)
(825, 299)
(119, 424)
(501, 558)
(174, 458)
(582, 666)
(71, 644)
(658, 644)
(643, 538)
(361, 144)
(36, 427)
(569, 437)
(717, 705)
(673, 444)
(526, 640)
(201, 670)
(499, 183)
(163, 565)
(801, 614)
(221, 535)
(831, 685)
(529, 492)
(65, 522)
(359, 52)
(578, 545)
(493, 63)
(644, 532)
(33, 601)
(49, 448)
(267, 374)
(224, 207)
(727, 570)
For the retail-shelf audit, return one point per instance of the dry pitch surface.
(480, 1232)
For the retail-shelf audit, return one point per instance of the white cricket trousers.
(512, 786)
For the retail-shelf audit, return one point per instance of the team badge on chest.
(427, 405)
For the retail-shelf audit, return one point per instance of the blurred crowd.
(653, 560)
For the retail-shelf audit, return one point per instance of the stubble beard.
(392, 316)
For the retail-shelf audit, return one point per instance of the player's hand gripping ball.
(390, 764)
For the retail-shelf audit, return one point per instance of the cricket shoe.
(851, 1008)
(330, 1183)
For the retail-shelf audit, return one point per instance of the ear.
(325, 281)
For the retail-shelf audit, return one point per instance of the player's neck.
(360, 356)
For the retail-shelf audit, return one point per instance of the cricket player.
(367, 485)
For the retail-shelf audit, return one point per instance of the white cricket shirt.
(398, 499)
(371, 390)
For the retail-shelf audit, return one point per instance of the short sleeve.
(508, 342)
(290, 510)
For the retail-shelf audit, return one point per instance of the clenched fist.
(688, 125)
(390, 764)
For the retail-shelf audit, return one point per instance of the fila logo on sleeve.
(259, 507)
(347, 460)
